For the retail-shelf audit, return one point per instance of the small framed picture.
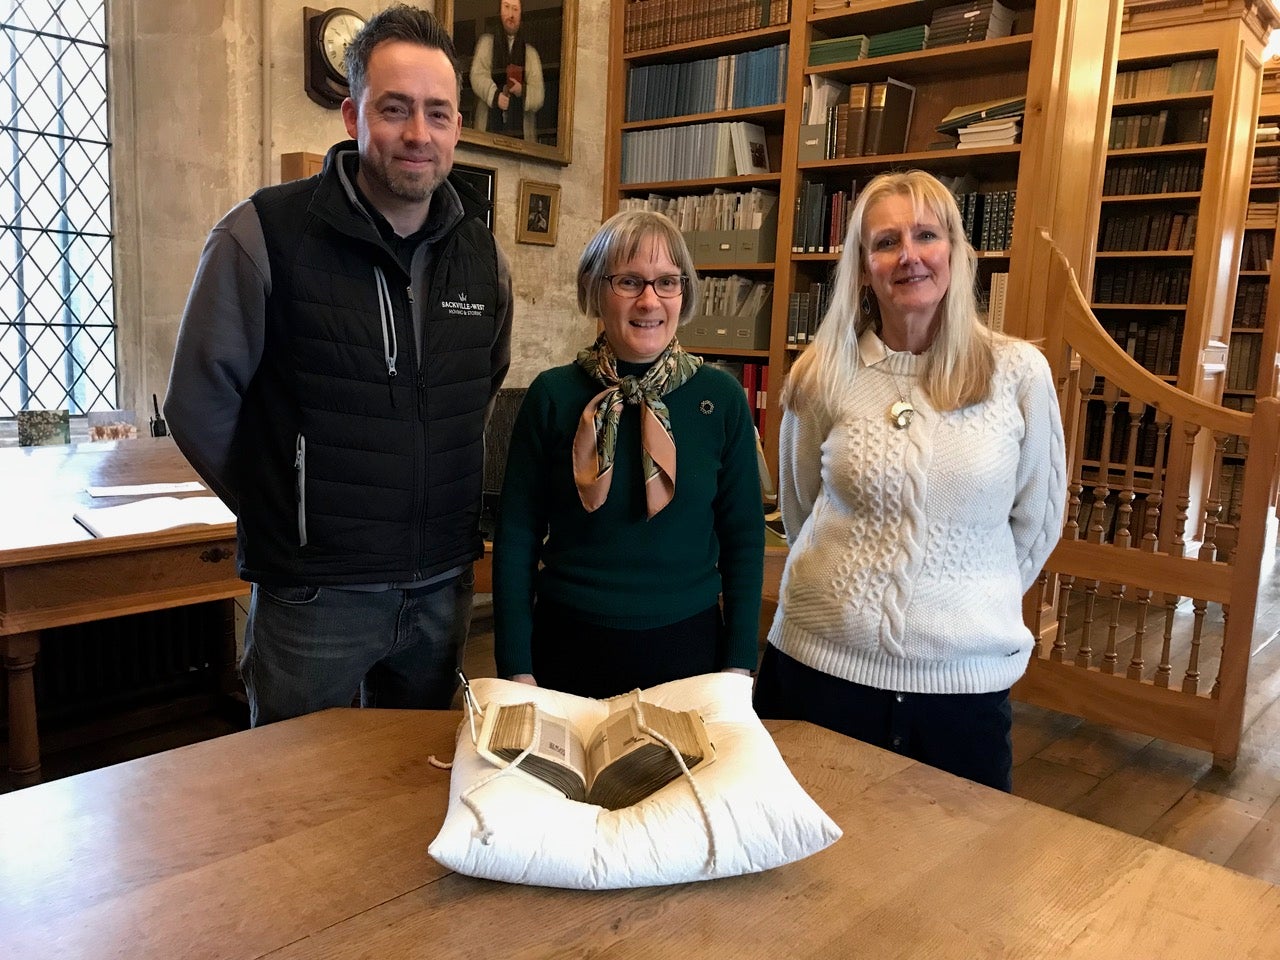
(538, 212)
(481, 180)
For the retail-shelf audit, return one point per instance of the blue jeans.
(308, 648)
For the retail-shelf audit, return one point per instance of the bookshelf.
(1180, 270)
(1054, 56)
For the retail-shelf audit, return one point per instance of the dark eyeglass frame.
(610, 277)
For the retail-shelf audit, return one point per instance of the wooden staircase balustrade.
(1139, 565)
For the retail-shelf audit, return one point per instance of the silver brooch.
(707, 407)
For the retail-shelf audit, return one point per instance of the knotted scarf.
(596, 438)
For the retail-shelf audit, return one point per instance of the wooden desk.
(308, 839)
(53, 572)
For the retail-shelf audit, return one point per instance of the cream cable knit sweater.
(911, 549)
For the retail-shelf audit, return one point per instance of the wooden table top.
(307, 839)
(42, 486)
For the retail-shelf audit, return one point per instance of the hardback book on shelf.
(889, 109)
(750, 152)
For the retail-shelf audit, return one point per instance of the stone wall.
(188, 113)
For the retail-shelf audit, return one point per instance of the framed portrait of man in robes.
(517, 59)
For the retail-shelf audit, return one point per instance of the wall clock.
(326, 34)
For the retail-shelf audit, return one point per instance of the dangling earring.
(866, 302)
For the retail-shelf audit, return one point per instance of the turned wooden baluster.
(1123, 539)
(1075, 488)
(1058, 654)
(1213, 503)
(1177, 548)
(1191, 682)
(1040, 593)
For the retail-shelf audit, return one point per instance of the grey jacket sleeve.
(500, 353)
(219, 347)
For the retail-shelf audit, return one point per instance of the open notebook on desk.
(153, 513)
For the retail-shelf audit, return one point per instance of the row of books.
(805, 310)
(1181, 76)
(1154, 342)
(734, 296)
(1242, 361)
(821, 217)
(1237, 445)
(1262, 211)
(724, 149)
(1255, 252)
(997, 296)
(859, 119)
(902, 40)
(754, 378)
(988, 218)
(1136, 177)
(721, 210)
(1160, 128)
(1265, 171)
(1251, 302)
(990, 133)
(1146, 442)
(756, 78)
(969, 22)
(1230, 491)
(660, 23)
(1150, 230)
(1141, 283)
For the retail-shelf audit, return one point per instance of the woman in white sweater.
(923, 483)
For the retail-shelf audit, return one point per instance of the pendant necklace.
(901, 411)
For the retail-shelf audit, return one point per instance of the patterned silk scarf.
(595, 441)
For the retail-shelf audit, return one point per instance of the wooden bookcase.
(1058, 56)
(1180, 148)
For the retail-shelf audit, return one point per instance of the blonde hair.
(618, 241)
(958, 365)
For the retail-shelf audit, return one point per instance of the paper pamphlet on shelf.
(145, 489)
(153, 513)
(613, 765)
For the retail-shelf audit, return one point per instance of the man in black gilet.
(341, 344)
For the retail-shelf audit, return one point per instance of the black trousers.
(589, 660)
(967, 734)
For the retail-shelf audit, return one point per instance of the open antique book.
(614, 765)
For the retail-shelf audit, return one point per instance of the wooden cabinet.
(1056, 57)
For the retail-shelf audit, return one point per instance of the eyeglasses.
(630, 287)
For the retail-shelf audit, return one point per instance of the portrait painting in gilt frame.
(538, 212)
(517, 61)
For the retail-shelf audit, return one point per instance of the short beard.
(408, 188)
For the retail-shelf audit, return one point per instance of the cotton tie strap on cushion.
(748, 813)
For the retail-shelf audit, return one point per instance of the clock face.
(339, 30)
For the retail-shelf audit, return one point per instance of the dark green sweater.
(615, 567)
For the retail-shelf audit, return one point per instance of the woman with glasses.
(631, 500)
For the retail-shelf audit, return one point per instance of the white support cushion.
(759, 816)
